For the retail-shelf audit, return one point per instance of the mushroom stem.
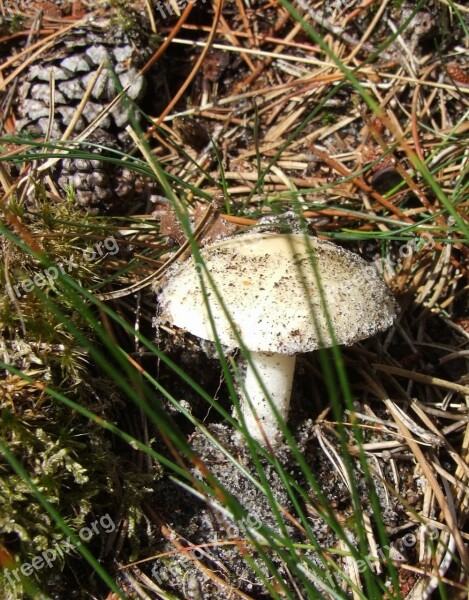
(276, 372)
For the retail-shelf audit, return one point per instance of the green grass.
(72, 323)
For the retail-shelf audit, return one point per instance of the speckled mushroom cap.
(268, 285)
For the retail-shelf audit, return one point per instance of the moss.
(11, 24)
(327, 118)
(70, 459)
(132, 19)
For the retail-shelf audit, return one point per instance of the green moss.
(327, 118)
(131, 20)
(11, 24)
(70, 459)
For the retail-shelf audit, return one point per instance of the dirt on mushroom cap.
(275, 287)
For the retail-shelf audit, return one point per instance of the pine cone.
(99, 183)
(73, 61)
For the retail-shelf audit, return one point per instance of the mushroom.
(285, 294)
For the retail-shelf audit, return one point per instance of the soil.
(332, 165)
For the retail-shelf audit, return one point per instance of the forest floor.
(122, 470)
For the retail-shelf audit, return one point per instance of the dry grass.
(365, 138)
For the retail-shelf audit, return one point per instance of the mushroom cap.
(271, 290)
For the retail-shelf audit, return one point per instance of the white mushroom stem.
(276, 372)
